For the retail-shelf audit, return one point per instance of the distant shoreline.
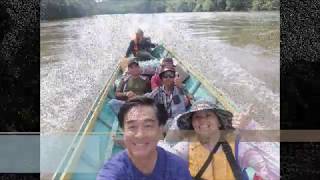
(62, 9)
(66, 18)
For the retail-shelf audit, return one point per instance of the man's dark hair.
(160, 111)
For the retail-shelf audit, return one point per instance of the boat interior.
(93, 144)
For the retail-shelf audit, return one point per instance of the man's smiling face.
(141, 131)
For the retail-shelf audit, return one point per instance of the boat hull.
(93, 144)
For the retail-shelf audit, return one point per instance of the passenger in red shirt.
(155, 79)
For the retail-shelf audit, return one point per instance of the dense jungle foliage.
(57, 9)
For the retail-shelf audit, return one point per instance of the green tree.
(205, 5)
(55, 9)
(198, 6)
(238, 5)
(158, 5)
(263, 5)
(208, 5)
(221, 5)
(180, 5)
(66, 8)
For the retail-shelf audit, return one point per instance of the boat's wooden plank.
(90, 163)
(109, 149)
(204, 94)
(67, 173)
(103, 141)
(195, 87)
(111, 94)
(84, 176)
(107, 126)
(101, 127)
(107, 115)
(192, 84)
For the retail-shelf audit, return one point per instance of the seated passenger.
(180, 77)
(209, 144)
(140, 47)
(133, 84)
(142, 123)
(155, 79)
(169, 95)
(130, 86)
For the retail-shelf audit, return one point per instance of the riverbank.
(62, 9)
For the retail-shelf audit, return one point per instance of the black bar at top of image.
(300, 85)
(20, 71)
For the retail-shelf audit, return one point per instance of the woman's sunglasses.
(168, 75)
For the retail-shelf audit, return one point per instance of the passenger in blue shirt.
(142, 122)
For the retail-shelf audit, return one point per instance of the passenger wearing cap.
(212, 153)
(133, 84)
(170, 96)
(140, 47)
(130, 86)
(155, 79)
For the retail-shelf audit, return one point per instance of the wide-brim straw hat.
(184, 120)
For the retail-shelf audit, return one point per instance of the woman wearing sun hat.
(212, 152)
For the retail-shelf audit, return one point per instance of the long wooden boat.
(93, 144)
